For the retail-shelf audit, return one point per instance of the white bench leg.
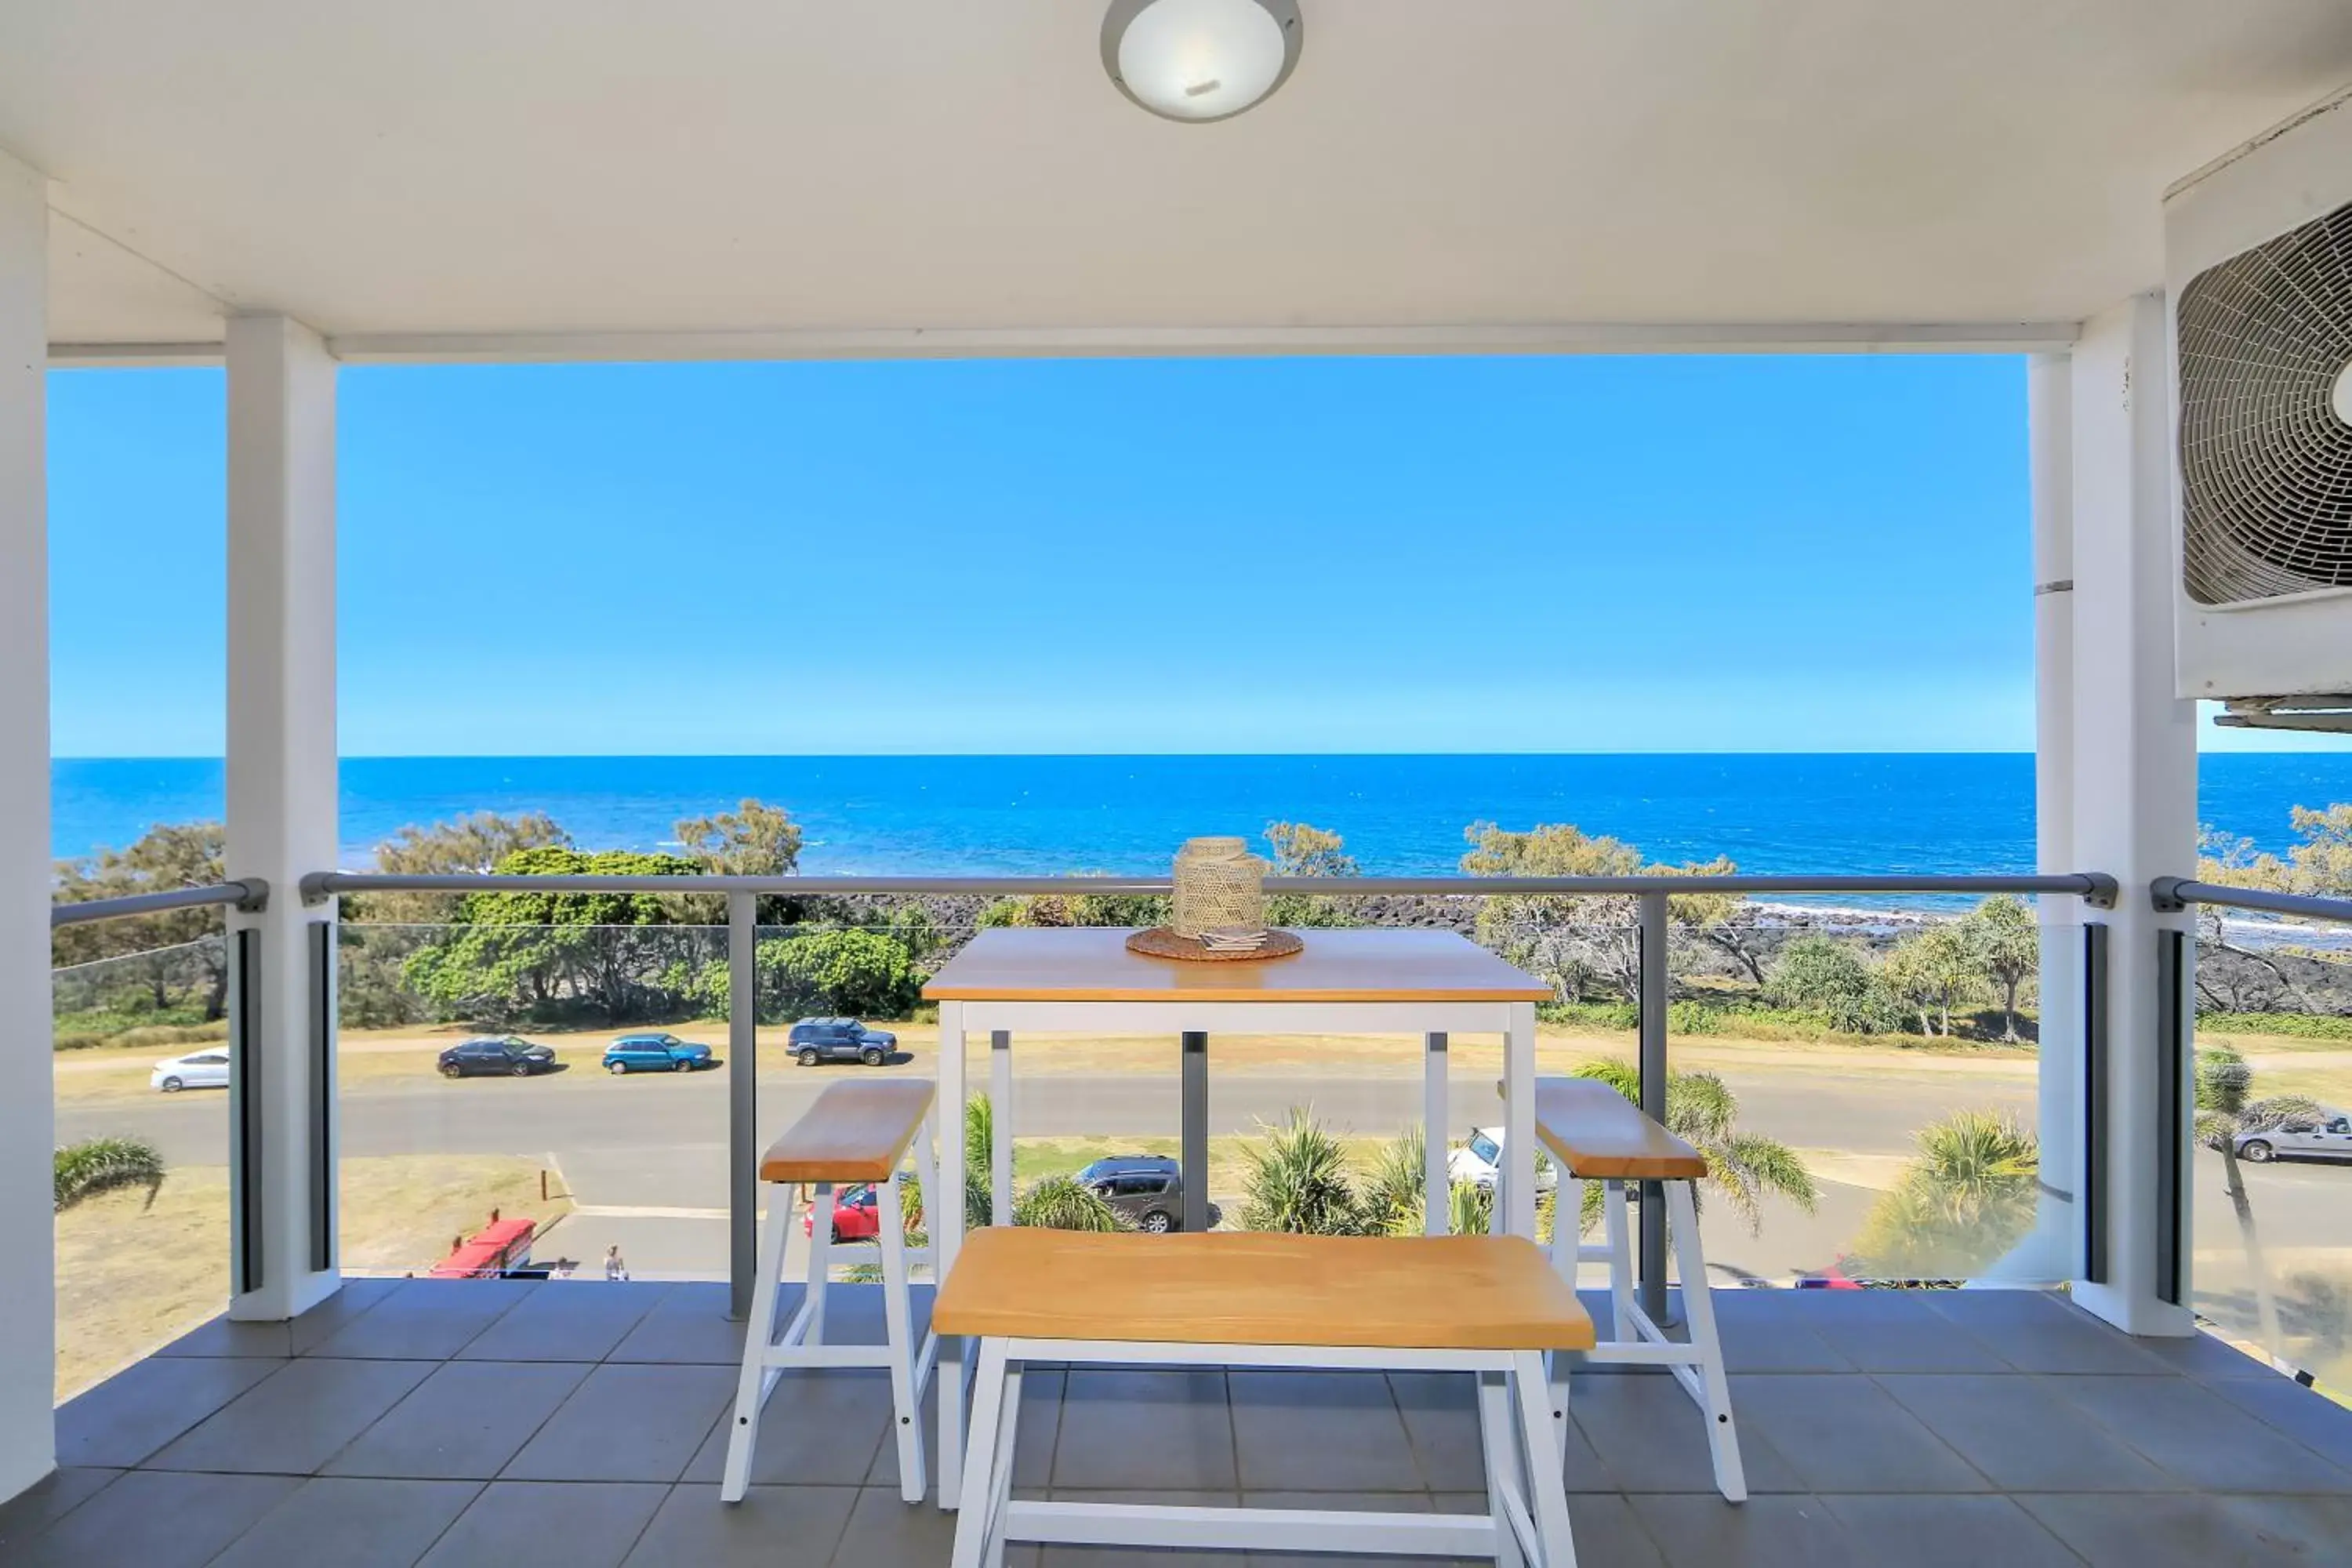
(975, 1521)
(1698, 1309)
(1620, 1262)
(751, 1386)
(1008, 1430)
(1499, 1443)
(898, 1316)
(820, 1261)
(1546, 1489)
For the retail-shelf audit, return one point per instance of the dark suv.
(815, 1040)
(511, 1056)
(1148, 1189)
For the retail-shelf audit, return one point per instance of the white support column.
(2052, 1250)
(2135, 766)
(281, 791)
(28, 1112)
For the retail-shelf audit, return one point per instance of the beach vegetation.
(1966, 1196)
(100, 1164)
(1057, 910)
(1301, 849)
(148, 969)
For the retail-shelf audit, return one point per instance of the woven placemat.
(1161, 942)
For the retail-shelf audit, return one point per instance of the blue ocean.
(1400, 814)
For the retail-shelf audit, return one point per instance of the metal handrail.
(2173, 894)
(250, 895)
(2096, 888)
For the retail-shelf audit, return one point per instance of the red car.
(857, 1214)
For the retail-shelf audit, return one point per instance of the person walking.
(615, 1268)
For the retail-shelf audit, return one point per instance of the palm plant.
(1298, 1180)
(2226, 1113)
(1743, 1169)
(100, 1164)
(1065, 1203)
(1393, 1195)
(1966, 1199)
(979, 1160)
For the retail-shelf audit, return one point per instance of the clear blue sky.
(1340, 554)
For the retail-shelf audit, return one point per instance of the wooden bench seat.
(1596, 1133)
(855, 1132)
(1440, 1292)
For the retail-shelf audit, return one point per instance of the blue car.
(655, 1053)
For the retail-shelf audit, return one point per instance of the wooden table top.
(1092, 964)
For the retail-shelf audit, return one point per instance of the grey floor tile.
(2317, 1527)
(885, 1532)
(224, 1336)
(45, 1502)
(2313, 1419)
(2040, 1330)
(1847, 1434)
(353, 1298)
(1319, 1431)
(1795, 1532)
(467, 1421)
(1764, 1344)
(297, 1419)
(822, 1427)
(2202, 1438)
(627, 1423)
(2171, 1530)
(569, 1320)
(332, 1522)
(1441, 1421)
(541, 1524)
(149, 1519)
(1924, 1342)
(1947, 1533)
(2208, 1358)
(772, 1527)
(689, 1324)
(1607, 1532)
(2023, 1436)
(1154, 1427)
(148, 1404)
(425, 1320)
(1645, 1435)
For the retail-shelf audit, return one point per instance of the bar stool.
(855, 1132)
(1594, 1133)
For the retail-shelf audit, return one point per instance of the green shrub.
(100, 1164)
(1298, 1180)
(1064, 1203)
(2298, 1025)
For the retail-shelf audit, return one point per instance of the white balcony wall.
(28, 1237)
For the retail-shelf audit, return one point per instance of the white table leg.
(947, 1239)
(1437, 1201)
(1518, 1192)
(1000, 1155)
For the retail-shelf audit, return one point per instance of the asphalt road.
(644, 1156)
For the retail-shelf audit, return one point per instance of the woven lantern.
(1219, 883)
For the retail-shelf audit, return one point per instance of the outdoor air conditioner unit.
(2258, 249)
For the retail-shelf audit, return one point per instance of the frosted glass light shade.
(1200, 59)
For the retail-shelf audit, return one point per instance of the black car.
(1149, 1189)
(814, 1040)
(513, 1057)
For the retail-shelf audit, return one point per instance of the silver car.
(2329, 1137)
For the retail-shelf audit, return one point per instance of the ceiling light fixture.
(1200, 59)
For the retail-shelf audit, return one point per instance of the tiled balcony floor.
(577, 1424)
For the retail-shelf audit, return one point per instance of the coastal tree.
(1932, 971)
(170, 956)
(2320, 866)
(755, 840)
(1301, 850)
(1057, 910)
(1819, 974)
(2002, 934)
(1575, 941)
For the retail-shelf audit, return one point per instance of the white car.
(1480, 1160)
(200, 1069)
(2329, 1137)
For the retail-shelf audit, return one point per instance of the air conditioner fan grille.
(2265, 457)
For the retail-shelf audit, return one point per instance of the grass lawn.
(136, 1270)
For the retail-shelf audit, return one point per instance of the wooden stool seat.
(1425, 1293)
(855, 1132)
(1596, 1133)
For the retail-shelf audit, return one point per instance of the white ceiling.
(561, 166)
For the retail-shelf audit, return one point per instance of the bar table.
(1434, 983)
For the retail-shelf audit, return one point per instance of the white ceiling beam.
(1140, 342)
